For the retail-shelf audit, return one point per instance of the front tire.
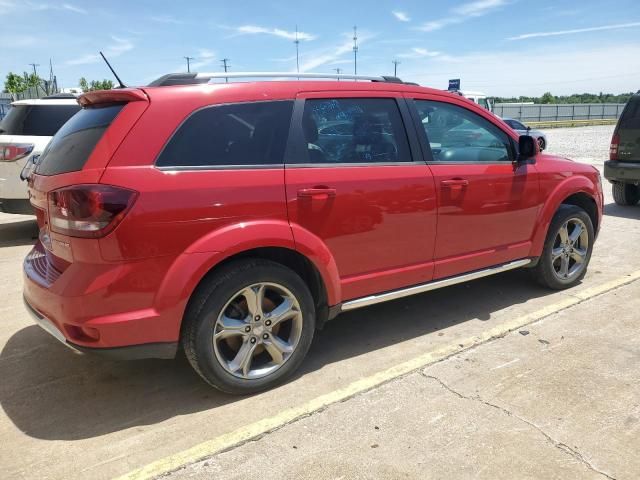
(541, 143)
(625, 194)
(249, 326)
(567, 249)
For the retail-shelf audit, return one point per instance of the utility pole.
(189, 63)
(355, 50)
(35, 74)
(338, 70)
(225, 65)
(34, 65)
(297, 42)
(395, 67)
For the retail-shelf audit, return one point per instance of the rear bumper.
(615, 171)
(101, 307)
(133, 352)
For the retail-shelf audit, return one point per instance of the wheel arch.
(576, 190)
(273, 240)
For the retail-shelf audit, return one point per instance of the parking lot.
(497, 378)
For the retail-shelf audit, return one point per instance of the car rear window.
(36, 120)
(242, 134)
(631, 115)
(71, 147)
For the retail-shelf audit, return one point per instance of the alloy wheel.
(570, 250)
(257, 331)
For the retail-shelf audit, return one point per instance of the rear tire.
(625, 194)
(249, 326)
(567, 249)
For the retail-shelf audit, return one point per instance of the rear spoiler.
(119, 95)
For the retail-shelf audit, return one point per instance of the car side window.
(515, 125)
(457, 135)
(243, 134)
(354, 130)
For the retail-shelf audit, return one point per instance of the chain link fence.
(559, 112)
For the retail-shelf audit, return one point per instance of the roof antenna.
(120, 84)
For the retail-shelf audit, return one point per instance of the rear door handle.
(455, 183)
(317, 192)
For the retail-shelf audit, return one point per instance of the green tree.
(548, 98)
(14, 83)
(95, 85)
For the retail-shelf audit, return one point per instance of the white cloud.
(73, 8)
(115, 49)
(575, 31)
(401, 16)
(203, 58)
(463, 13)
(478, 7)
(417, 52)
(276, 32)
(166, 19)
(332, 55)
(574, 68)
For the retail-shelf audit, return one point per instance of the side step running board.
(426, 287)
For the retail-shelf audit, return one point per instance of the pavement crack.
(563, 447)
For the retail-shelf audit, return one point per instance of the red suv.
(235, 219)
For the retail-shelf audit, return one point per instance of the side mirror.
(527, 148)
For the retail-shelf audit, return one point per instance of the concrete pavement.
(557, 400)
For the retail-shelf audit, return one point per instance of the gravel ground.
(584, 144)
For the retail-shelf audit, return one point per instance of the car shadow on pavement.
(614, 210)
(49, 392)
(24, 232)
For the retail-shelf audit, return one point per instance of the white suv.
(24, 133)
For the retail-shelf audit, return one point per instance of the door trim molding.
(426, 287)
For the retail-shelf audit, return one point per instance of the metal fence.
(559, 112)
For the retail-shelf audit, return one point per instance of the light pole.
(297, 42)
(355, 50)
(188, 63)
(225, 65)
(395, 67)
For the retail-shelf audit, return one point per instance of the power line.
(395, 67)
(355, 50)
(225, 65)
(188, 63)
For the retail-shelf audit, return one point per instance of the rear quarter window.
(36, 120)
(71, 147)
(243, 134)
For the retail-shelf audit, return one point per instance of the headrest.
(310, 129)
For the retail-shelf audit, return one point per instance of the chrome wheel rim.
(570, 250)
(257, 330)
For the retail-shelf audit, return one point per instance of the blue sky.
(502, 47)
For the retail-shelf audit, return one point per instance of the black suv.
(623, 167)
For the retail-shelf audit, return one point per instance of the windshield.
(36, 120)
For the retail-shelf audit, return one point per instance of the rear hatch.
(72, 207)
(627, 134)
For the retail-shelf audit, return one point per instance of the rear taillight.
(10, 152)
(88, 211)
(613, 148)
